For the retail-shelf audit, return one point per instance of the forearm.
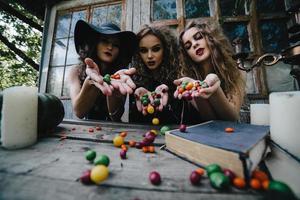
(225, 110)
(85, 99)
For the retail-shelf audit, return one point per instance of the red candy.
(231, 175)
(195, 178)
(154, 178)
(123, 154)
(182, 127)
(85, 178)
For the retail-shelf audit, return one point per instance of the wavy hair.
(221, 58)
(168, 69)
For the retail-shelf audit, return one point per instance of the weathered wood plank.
(107, 133)
(34, 187)
(59, 163)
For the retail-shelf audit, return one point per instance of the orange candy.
(260, 175)
(189, 86)
(255, 184)
(91, 130)
(180, 90)
(123, 134)
(229, 130)
(132, 143)
(200, 171)
(145, 149)
(151, 149)
(265, 184)
(124, 147)
(239, 182)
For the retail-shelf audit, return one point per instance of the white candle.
(19, 117)
(285, 120)
(259, 114)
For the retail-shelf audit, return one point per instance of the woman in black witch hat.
(101, 81)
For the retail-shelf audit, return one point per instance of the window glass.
(66, 86)
(63, 25)
(72, 56)
(99, 15)
(274, 35)
(164, 9)
(270, 6)
(75, 17)
(196, 8)
(59, 52)
(232, 7)
(235, 30)
(55, 77)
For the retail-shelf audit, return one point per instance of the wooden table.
(50, 169)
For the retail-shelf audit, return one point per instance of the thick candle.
(19, 117)
(285, 120)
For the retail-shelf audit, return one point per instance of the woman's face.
(151, 51)
(195, 45)
(108, 49)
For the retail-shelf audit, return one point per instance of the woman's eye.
(156, 49)
(187, 46)
(142, 50)
(198, 36)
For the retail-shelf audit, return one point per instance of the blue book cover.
(212, 133)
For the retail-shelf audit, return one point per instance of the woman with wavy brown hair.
(156, 64)
(207, 56)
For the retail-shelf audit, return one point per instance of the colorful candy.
(102, 160)
(99, 173)
(106, 78)
(230, 174)
(90, 155)
(118, 141)
(155, 121)
(239, 183)
(195, 178)
(212, 168)
(164, 129)
(218, 180)
(86, 177)
(123, 154)
(154, 178)
(182, 127)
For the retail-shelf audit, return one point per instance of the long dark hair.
(169, 66)
(90, 51)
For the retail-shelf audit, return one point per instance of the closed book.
(208, 143)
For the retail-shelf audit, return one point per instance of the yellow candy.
(154, 131)
(118, 141)
(155, 121)
(150, 109)
(99, 174)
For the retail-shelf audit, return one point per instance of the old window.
(260, 24)
(63, 54)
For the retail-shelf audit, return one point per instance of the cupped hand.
(178, 82)
(162, 90)
(123, 81)
(92, 70)
(213, 82)
(138, 93)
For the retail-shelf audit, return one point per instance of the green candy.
(106, 78)
(102, 160)
(90, 155)
(145, 102)
(219, 181)
(280, 187)
(213, 168)
(156, 102)
(164, 129)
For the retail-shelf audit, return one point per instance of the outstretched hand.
(213, 82)
(178, 83)
(92, 71)
(121, 81)
(138, 93)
